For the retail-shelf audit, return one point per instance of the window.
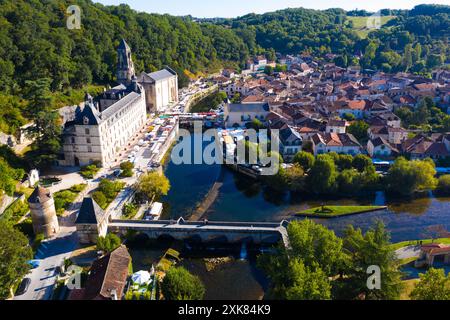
(87, 131)
(88, 140)
(73, 139)
(89, 149)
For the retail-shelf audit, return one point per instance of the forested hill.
(410, 40)
(36, 44)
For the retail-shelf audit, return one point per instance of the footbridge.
(206, 231)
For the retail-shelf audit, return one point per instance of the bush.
(304, 159)
(37, 241)
(64, 198)
(443, 186)
(88, 172)
(109, 243)
(179, 284)
(100, 198)
(127, 169)
(15, 211)
(130, 210)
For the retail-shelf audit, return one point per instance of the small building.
(336, 126)
(430, 252)
(92, 222)
(290, 143)
(107, 277)
(380, 148)
(344, 143)
(240, 114)
(43, 212)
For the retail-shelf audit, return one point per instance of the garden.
(64, 198)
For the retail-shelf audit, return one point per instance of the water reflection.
(242, 199)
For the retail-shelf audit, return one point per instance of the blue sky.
(233, 8)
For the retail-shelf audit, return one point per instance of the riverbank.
(338, 211)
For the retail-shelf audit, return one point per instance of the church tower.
(125, 68)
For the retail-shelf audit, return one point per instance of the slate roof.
(90, 212)
(249, 107)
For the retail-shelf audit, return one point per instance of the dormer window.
(85, 120)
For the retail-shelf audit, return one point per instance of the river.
(241, 199)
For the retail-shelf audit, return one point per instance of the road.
(51, 254)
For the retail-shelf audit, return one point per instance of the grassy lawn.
(360, 24)
(398, 245)
(337, 211)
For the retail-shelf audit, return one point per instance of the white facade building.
(161, 89)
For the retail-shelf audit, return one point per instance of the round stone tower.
(43, 212)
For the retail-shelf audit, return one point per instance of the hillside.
(35, 43)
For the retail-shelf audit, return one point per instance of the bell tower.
(125, 67)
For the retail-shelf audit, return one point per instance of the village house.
(290, 143)
(336, 126)
(380, 148)
(107, 277)
(344, 143)
(240, 114)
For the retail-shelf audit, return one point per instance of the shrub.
(88, 172)
(304, 159)
(100, 198)
(127, 169)
(443, 186)
(179, 284)
(130, 210)
(109, 243)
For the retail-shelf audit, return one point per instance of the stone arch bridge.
(206, 231)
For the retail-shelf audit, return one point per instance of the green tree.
(109, 243)
(304, 159)
(370, 249)
(153, 184)
(443, 186)
(295, 178)
(323, 174)
(179, 284)
(127, 169)
(407, 177)
(433, 285)
(315, 256)
(307, 283)
(362, 162)
(15, 252)
(359, 130)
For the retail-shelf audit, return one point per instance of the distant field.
(360, 24)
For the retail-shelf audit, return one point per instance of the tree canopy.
(179, 284)
(14, 254)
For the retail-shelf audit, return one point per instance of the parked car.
(34, 263)
(23, 286)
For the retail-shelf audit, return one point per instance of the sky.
(234, 8)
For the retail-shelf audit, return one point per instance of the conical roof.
(40, 195)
